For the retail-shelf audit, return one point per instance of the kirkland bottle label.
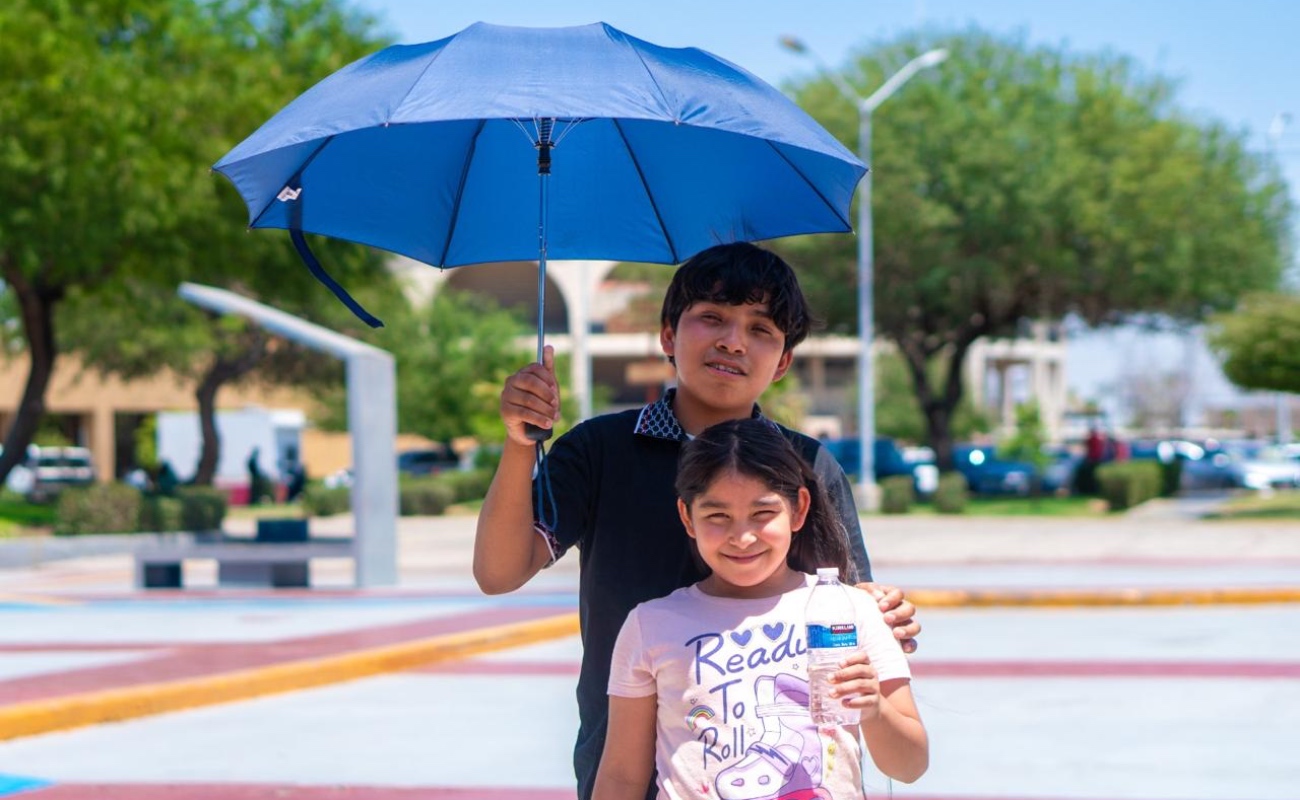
(828, 636)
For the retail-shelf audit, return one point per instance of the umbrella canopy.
(434, 150)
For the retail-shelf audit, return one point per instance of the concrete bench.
(280, 556)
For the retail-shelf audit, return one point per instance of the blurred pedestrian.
(165, 483)
(256, 481)
(294, 475)
(1094, 453)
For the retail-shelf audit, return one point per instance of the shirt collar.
(658, 421)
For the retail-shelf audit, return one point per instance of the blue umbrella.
(506, 144)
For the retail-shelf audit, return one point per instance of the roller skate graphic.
(785, 763)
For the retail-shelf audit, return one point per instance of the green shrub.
(158, 514)
(466, 486)
(951, 495)
(1129, 483)
(103, 508)
(202, 508)
(424, 497)
(487, 457)
(320, 501)
(1171, 477)
(897, 494)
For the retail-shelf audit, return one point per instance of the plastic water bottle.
(832, 635)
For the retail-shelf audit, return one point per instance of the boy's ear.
(667, 339)
(685, 514)
(783, 366)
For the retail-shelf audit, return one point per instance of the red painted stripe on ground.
(234, 791)
(1106, 669)
(1208, 562)
(182, 661)
(958, 669)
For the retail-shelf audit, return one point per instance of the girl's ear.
(799, 514)
(685, 513)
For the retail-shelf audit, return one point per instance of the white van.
(49, 470)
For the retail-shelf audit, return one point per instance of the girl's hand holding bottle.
(857, 686)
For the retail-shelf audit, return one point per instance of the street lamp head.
(932, 58)
(794, 44)
(1279, 123)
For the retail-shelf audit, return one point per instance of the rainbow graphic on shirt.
(699, 717)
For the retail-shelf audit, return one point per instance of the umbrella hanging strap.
(294, 197)
(547, 512)
(309, 258)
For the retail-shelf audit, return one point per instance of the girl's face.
(742, 530)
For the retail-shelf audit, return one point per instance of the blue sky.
(1238, 62)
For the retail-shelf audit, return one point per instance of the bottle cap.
(828, 572)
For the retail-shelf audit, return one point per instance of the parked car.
(1205, 464)
(46, 471)
(988, 474)
(891, 459)
(427, 461)
(1062, 465)
(1254, 465)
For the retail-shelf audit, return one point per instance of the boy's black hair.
(736, 274)
(756, 448)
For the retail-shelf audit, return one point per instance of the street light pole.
(1282, 400)
(868, 496)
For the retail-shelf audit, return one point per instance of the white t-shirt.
(732, 682)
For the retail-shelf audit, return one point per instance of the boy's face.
(727, 355)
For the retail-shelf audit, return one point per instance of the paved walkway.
(431, 690)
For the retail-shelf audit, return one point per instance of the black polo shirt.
(611, 494)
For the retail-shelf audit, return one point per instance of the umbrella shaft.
(542, 179)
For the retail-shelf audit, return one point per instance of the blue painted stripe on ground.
(13, 784)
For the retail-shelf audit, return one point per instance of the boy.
(731, 319)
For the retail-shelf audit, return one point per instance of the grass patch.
(1025, 507)
(16, 512)
(467, 508)
(265, 510)
(1283, 505)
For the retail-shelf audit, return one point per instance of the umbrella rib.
(415, 83)
(296, 177)
(810, 184)
(663, 96)
(460, 192)
(672, 248)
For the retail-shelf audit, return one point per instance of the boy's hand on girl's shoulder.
(531, 396)
(899, 614)
(856, 685)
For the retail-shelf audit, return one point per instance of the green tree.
(113, 113)
(1018, 182)
(1026, 442)
(899, 416)
(452, 355)
(1260, 342)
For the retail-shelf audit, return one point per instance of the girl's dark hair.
(756, 448)
(735, 274)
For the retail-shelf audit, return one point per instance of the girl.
(709, 685)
